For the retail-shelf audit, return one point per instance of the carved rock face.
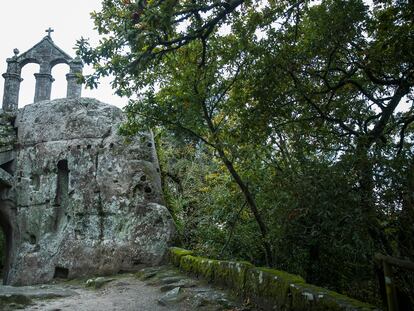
(85, 200)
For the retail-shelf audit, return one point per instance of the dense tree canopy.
(291, 122)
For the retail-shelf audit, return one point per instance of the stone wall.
(267, 288)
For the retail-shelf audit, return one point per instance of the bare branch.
(406, 123)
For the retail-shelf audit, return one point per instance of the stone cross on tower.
(47, 55)
(49, 32)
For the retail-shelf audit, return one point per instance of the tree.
(350, 72)
(291, 97)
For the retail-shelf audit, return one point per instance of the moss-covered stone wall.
(267, 288)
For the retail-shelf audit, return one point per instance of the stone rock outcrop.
(77, 198)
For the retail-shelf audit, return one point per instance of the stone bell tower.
(47, 55)
(76, 197)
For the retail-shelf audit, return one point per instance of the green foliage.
(284, 129)
(204, 199)
(311, 215)
(268, 288)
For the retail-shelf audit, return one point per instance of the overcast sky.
(23, 24)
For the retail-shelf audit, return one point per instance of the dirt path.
(126, 294)
(152, 289)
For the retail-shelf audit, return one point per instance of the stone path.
(151, 289)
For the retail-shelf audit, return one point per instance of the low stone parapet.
(267, 288)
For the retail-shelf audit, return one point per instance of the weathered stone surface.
(172, 296)
(125, 292)
(187, 293)
(32, 292)
(98, 282)
(84, 200)
(47, 55)
(17, 298)
(212, 298)
(184, 283)
(267, 288)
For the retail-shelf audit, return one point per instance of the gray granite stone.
(79, 199)
(47, 55)
(76, 198)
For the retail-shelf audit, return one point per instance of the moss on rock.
(309, 297)
(268, 288)
(199, 266)
(98, 282)
(176, 253)
(233, 275)
(14, 301)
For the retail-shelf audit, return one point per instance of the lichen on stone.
(81, 201)
(176, 253)
(269, 289)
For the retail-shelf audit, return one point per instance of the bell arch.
(47, 55)
(59, 72)
(74, 69)
(28, 84)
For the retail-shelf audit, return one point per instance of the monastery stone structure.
(76, 198)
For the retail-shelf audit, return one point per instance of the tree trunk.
(364, 169)
(406, 218)
(251, 202)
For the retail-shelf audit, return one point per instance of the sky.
(23, 24)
